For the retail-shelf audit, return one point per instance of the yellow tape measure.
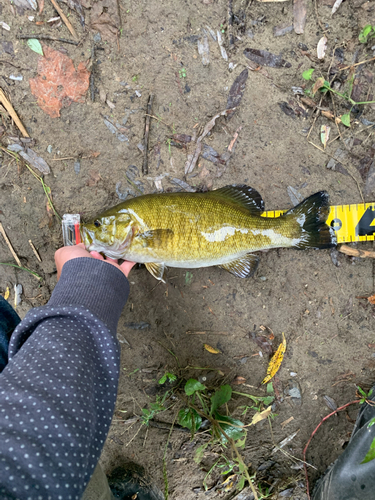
(350, 222)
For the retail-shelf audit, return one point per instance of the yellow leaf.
(6, 294)
(261, 416)
(275, 362)
(211, 349)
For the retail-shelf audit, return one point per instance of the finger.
(96, 255)
(127, 266)
(114, 261)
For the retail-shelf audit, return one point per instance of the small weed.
(222, 28)
(325, 87)
(135, 78)
(367, 33)
(182, 73)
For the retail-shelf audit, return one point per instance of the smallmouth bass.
(217, 228)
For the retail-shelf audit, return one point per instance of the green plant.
(324, 87)
(155, 408)
(366, 33)
(182, 73)
(167, 375)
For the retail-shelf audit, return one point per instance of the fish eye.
(97, 223)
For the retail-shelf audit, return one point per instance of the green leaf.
(371, 423)
(270, 388)
(193, 385)
(363, 35)
(345, 119)
(370, 455)
(307, 75)
(227, 424)
(35, 45)
(220, 397)
(188, 417)
(163, 379)
(361, 391)
(171, 378)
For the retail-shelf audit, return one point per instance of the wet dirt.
(329, 330)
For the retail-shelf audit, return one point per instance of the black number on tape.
(336, 224)
(364, 227)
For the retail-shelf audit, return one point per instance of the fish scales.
(203, 229)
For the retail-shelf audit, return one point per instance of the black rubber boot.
(130, 482)
(348, 479)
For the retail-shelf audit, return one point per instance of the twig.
(317, 16)
(357, 64)
(159, 120)
(46, 37)
(353, 252)
(8, 106)
(65, 19)
(232, 142)
(23, 269)
(92, 82)
(2, 231)
(230, 24)
(35, 251)
(147, 131)
(315, 118)
(196, 332)
(4, 61)
(313, 434)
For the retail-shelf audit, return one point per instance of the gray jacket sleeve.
(58, 391)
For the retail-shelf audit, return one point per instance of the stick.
(313, 434)
(65, 19)
(230, 24)
(147, 130)
(2, 231)
(8, 106)
(353, 252)
(46, 37)
(35, 251)
(357, 64)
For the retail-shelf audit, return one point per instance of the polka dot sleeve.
(58, 391)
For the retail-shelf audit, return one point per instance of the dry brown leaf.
(318, 84)
(105, 18)
(95, 177)
(299, 14)
(275, 362)
(261, 416)
(211, 349)
(58, 83)
(371, 299)
(6, 293)
(239, 380)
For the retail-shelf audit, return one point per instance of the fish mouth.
(116, 250)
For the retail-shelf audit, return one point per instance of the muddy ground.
(319, 306)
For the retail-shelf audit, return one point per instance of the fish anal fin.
(241, 195)
(157, 270)
(244, 267)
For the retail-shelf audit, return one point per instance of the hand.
(65, 254)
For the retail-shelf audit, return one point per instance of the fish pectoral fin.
(155, 238)
(241, 195)
(157, 270)
(244, 267)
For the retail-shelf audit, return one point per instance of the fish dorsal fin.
(242, 195)
(157, 270)
(244, 267)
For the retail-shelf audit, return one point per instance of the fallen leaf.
(95, 177)
(31, 157)
(4, 25)
(371, 299)
(336, 5)
(264, 58)
(318, 84)
(321, 47)
(239, 380)
(25, 4)
(299, 14)
(105, 18)
(211, 349)
(236, 91)
(58, 83)
(261, 415)
(324, 134)
(330, 402)
(275, 362)
(6, 294)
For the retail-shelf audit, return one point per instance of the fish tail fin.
(311, 215)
